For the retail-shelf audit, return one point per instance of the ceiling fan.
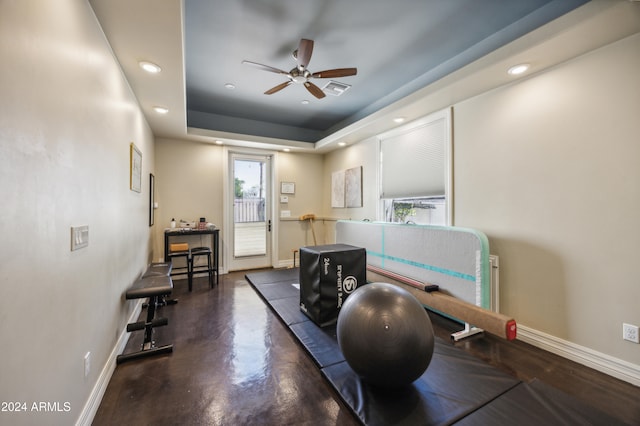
(300, 74)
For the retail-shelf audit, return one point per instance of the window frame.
(445, 114)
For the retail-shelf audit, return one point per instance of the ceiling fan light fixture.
(518, 69)
(150, 67)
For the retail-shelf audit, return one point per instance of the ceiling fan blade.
(277, 88)
(305, 49)
(338, 72)
(314, 90)
(265, 67)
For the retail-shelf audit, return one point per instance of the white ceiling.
(404, 50)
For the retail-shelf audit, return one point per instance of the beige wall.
(306, 171)
(189, 185)
(67, 117)
(365, 154)
(548, 168)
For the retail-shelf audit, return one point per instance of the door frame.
(227, 205)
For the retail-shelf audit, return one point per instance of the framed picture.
(287, 188)
(152, 199)
(135, 169)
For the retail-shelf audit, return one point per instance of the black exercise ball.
(385, 335)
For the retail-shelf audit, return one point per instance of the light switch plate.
(79, 237)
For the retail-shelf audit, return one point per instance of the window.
(415, 171)
(419, 210)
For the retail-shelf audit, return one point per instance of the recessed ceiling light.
(230, 86)
(342, 143)
(305, 102)
(399, 119)
(518, 69)
(286, 150)
(218, 142)
(161, 109)
(150, 67)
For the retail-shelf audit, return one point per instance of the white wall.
(67, 117)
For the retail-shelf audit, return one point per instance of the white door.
(250, 198)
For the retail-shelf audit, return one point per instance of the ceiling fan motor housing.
(299, 75)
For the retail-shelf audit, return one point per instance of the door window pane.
(249, 208)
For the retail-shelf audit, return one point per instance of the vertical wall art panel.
(353, 187)
(337, 189)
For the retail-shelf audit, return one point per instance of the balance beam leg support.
(468, 331)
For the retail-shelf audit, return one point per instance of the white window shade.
(414, 158)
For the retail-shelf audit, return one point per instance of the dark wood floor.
(235, 363)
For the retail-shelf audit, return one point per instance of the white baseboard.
(95, 398)
(607, 364)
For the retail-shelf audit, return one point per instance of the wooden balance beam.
(491, 322)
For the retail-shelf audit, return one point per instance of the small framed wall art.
(135, 169)
(152, 199)
(287, 187)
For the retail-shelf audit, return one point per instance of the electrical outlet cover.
(630, 333)
(79, 237)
